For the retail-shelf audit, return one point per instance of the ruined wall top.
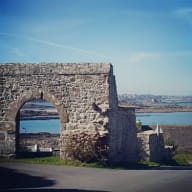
(54, 68)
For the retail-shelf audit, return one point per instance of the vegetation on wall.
(168, 141)
(138, 126)
(86, 147)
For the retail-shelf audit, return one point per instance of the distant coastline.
(158, 108)
(39, 118)
(46, 114)
(142, 103)
(39, 114)
(156, 103)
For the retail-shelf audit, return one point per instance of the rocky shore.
(44, 140)
(158, 108)
(40, 114)
(32, 111)
(51, 113)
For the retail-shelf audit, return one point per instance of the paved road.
(47, 178)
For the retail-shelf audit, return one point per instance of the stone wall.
(7, 143)
(179, 135)
(122, 134)
(43, 140)
(85, 97)
(151, 146)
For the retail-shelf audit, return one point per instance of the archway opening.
(38, 129)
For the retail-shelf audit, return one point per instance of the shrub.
(168, 141)
(138, 126)
(86, 147)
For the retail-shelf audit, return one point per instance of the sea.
(35, 126)
(173, 118)
(53, 125)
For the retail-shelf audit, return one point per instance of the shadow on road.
(54, 190)
(12, 180)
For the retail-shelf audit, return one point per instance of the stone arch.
(40, 94)
(27, 96)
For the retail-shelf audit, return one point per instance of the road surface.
(51, 178)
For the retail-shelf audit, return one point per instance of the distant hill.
(148, 99)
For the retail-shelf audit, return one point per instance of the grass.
(183, 159)
(55, 160)
(51, 160)
(178, 160)
(150, 164)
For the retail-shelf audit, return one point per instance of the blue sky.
(148, 42)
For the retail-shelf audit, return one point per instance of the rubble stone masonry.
(85, 97)
(151, 146)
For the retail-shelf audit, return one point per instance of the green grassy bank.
(178, 160)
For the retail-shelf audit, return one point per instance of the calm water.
(53, 125)
(34, 126)
(177, 118)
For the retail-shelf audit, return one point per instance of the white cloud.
(185, 14)
(178, 53)
(97, 57)
(184, 11)
(14, 50)
(50, 43)
(18, 52)
(59, 25)
(141, 56)
(142, 13)
(45, 42)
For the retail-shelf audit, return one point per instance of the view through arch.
(39, 127)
